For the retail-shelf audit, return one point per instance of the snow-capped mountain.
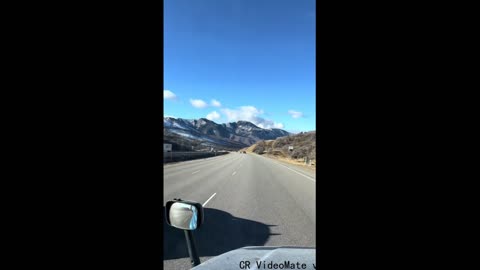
(234, 135)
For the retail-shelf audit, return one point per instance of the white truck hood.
(262, 257)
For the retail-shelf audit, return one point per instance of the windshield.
(239, 123)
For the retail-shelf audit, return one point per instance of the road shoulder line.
(278, 163)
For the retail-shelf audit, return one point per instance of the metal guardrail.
(182, 156)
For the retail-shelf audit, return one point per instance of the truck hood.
(262, 257)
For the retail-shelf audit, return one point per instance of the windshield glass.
(239, 124)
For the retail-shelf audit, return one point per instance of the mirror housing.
(185, 215)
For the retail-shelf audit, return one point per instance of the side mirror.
(188, 216)
(185, 215)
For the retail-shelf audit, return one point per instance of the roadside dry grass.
(298, 162)
(248, 149)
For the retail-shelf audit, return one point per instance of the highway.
(249, 200)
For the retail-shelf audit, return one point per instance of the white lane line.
(298, 173)
(209, 199)
(195, 172)
(234, 173)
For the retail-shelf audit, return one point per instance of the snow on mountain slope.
(233, 135)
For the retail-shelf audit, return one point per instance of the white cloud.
(198, 103)
(167, 94)
(295, 114)
(215, 103)
(213, 116)
(250, 114)
(246, 113)
(278, 125)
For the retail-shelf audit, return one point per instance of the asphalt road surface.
(248, 200)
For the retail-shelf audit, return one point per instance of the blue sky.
(255, 57)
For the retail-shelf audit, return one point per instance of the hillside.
(304, 145)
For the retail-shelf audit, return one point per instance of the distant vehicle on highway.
(189, 215)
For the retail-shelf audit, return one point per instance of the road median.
(169, 157)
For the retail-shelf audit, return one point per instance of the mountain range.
(199, 134)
